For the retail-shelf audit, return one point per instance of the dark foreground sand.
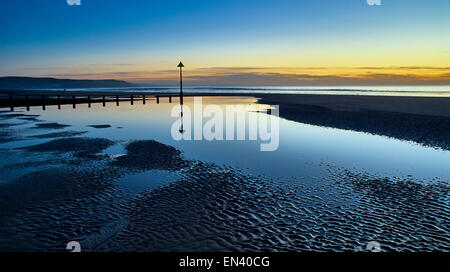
(425, 120)
(212, 208)
(433, 106)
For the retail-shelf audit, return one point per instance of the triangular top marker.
(180, 64)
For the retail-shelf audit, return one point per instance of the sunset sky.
(301, 42)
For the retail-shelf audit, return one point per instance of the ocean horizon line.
(416, 90)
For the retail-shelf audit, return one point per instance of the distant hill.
(54, 83)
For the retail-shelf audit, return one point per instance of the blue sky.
(139, 40)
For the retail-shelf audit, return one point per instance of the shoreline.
(424, 120)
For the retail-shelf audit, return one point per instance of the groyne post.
(27, 102)
(43, 102)
(11, 101)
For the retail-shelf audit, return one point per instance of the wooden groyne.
(27, 98)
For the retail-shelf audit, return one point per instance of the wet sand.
(432, 106)
(214, 208)
(424, 120)
(146, 155)
(75, 144)
(50, 126)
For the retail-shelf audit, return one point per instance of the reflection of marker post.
(181, 95)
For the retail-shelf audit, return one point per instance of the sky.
(251, 42)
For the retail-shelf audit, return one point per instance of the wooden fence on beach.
(27, 98)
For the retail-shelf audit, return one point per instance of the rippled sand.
(206, 207)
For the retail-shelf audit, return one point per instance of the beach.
(110, 177)
(224, 131)
(425, 120)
